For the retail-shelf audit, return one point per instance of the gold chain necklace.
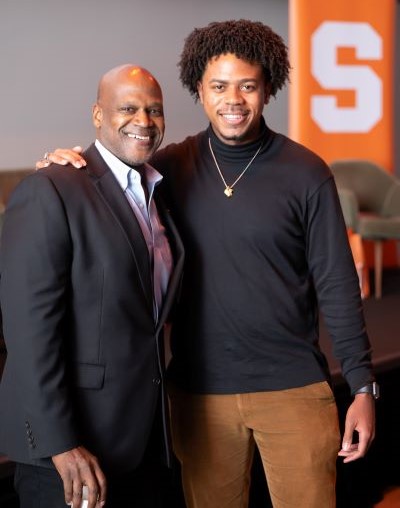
(228, 191)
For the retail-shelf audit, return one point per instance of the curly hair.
(248, 40)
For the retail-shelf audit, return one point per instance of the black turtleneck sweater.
(259, 267)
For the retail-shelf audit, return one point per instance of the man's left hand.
(360, 418)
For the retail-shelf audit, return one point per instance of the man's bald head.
(123, 72)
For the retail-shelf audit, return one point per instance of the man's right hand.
(78, 467)
(63, 156)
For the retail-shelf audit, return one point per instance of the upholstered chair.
(370, 200)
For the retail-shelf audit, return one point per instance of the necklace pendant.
(228, 191)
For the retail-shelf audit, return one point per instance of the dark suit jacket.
(85, 359)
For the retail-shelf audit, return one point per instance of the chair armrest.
(350, 208)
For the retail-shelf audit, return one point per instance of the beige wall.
(52, 53)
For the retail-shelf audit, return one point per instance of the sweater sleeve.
(337, 286)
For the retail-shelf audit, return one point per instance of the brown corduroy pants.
(295, 430)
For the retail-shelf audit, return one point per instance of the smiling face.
(233, 93)
(128, 115)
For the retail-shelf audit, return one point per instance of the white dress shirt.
(146, 213)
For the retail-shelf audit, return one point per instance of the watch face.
(375, 390)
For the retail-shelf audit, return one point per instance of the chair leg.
(378, 268)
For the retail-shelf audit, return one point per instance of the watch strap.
(371, 388)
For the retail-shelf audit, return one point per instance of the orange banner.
(341, 91)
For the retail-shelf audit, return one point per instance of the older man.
(89, 269)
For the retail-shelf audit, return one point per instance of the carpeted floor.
(391, 499)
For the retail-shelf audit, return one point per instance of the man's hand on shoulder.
(63, 156)
(78, 467)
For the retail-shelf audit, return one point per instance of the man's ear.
(200, 91)
(97, 115)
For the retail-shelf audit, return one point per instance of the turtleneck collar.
(238, 153)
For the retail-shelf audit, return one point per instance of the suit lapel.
(178, 255)
(113, 196)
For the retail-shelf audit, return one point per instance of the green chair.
(370, 200)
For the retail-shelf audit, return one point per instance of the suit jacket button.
(156, 381)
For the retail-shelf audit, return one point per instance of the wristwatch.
(372, 388)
